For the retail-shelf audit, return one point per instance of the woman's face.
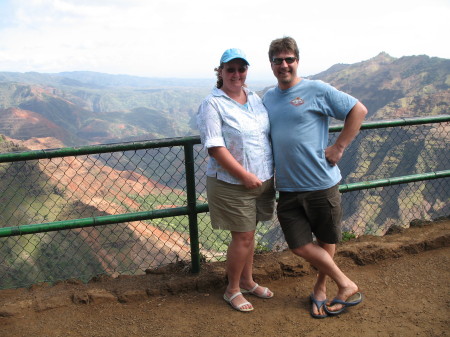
(234, 74)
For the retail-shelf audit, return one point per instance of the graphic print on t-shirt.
(297, 101)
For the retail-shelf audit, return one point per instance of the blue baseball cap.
(231, 54)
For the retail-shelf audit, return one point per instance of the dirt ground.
(404, 277)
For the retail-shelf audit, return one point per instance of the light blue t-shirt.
(299, 120)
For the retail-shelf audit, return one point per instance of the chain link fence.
(88, 187)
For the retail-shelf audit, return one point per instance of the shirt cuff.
(214, 142)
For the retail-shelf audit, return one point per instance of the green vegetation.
(347, 236)
(211, 240)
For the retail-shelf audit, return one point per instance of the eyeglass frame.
(279, 60)
(240, 70)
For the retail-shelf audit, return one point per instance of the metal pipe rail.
(182, 141)
(179, 211)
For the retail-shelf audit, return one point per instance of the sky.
(185, 39)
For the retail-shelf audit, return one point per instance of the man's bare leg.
(321, 259)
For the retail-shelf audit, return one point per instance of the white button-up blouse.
(242, 129)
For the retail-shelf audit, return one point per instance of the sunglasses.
(279, 60)
(233, 70)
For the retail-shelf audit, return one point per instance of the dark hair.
(219, 83)
(285, 44)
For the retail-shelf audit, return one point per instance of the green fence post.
(192, 203)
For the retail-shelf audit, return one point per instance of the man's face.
(286, 70)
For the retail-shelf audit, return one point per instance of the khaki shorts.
(302, 214)
(236, 208)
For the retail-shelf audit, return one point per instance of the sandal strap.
(254, 288)
(242, 304)
(264, 293)
(266, 290)
(235, 295)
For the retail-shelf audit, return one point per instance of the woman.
(234, 128)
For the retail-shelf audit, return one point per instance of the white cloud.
(176, 38)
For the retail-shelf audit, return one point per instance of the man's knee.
(303, 251)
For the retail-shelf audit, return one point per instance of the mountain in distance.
(410, 86)
(93, 108)
(95, 80)
(80, 108)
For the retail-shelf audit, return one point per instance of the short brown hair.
(285, 44)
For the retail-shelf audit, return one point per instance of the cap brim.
(234, 58)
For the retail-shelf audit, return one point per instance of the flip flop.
(351, 301)
(252, 291)
(318, 304)
(239, 306)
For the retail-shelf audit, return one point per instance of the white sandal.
(239, 306)
(252, 291)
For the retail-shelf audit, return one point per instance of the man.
(306, 173)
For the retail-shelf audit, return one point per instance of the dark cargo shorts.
(302, 214)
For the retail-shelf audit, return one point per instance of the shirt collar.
(219, 92)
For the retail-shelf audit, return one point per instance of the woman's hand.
(229, 163)
(251, 181)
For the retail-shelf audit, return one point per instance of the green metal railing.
(393, 181)
(192, 207)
